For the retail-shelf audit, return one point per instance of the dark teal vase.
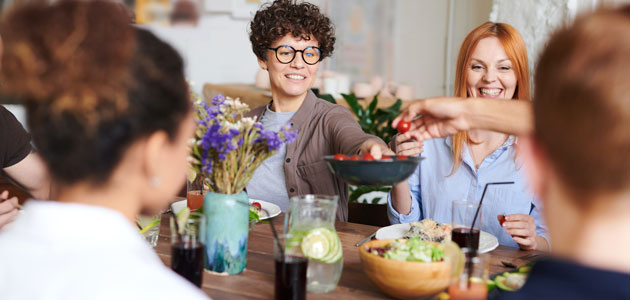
(227, 219)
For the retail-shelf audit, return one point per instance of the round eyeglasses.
(286, 54)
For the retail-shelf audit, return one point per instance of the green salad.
(413, 249)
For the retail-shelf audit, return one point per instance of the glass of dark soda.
(462, 218)
(188, 248)
(291, 268)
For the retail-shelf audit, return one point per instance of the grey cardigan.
(323, 129)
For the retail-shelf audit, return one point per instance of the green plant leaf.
(328, 97)
(360, 190)
(353, 102)
(372, 105)
(396, 106)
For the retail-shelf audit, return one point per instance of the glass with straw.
(468, 212)
(188, 250)
(463, 234)
(291, 266)
(471, 283)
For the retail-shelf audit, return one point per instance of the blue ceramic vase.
(227, 217)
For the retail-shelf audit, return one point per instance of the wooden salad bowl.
(404, 279)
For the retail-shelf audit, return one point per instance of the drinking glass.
(462, 218)
(291, 266)
(149, 227)
(471, 283)
(195, 192)
(188, 248)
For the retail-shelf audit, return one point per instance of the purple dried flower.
(235, 131)
(218, 100)
(289, 135)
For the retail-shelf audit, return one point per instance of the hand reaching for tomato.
(407, 146)
(375, 148)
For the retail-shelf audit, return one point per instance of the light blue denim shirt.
(433, 190)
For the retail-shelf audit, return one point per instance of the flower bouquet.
(227, 148)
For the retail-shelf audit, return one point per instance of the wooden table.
(257, 281)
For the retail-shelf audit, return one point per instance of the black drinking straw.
(473, 252)
(275, 235)
(179, 235)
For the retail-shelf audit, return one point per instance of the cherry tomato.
(403, 126)
(501, 219)
(355, 157)
(257, 205)
(368, 156)
(385, 157)
(340, 157)
(401, 157)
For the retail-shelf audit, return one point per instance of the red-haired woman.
(492, 63)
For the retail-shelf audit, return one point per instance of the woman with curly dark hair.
(109, 112)
(290, 39)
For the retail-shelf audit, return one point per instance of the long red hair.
(514, 47)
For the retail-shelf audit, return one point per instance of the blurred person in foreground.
(577, 152)
(492, 64)
(109, 112)
(18, 162)
(290, 38)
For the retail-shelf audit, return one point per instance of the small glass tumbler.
(150, 228)
(195, 192)
(462, 218)
(291, 266)
(471, 283)
(188, 250)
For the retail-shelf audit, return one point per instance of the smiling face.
(490, 73)
(293, 80)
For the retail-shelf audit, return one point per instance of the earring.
(155, 181)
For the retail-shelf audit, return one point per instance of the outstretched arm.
(440, 117)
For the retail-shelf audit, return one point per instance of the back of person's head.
(515, 50)
(300, 19)
(582, 103)
(92, 84)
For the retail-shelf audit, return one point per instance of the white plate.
(487, 241)
(273, 209)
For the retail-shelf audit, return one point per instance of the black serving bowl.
(373, 172)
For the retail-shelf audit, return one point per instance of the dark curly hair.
(282, 17)
(91, 88)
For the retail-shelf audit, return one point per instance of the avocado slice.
(500, 281)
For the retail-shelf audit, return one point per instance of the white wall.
(216, 51)
(420, 45)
